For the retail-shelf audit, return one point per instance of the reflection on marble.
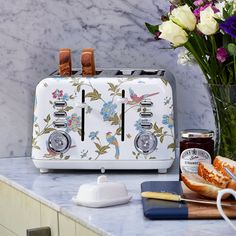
(33, 31)
(57, 189)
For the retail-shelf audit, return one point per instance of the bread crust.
(197, 184)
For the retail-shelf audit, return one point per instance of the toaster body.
(114, 120)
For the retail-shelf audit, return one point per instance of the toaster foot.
(42, 170)
(162, 171)
(103, 170)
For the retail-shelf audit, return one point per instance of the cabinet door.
(66, 226)
(18, 211)
(49, 217)
(83, 231)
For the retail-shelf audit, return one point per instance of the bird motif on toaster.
(111, 139)
(137, 99)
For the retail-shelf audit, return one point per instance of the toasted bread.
(211, 175)
(197, 184)
(221, 162)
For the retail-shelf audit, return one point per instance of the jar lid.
(197, 133)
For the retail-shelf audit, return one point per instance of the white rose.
(208, 25)
(184, 17)
(173, 33)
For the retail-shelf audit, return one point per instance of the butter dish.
(102, 193)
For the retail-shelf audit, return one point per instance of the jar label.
(190, 158)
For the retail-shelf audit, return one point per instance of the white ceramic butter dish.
(102, 194)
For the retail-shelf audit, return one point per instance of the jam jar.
(196, 145)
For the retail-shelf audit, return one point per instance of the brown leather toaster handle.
(88, 62)
(65, 67)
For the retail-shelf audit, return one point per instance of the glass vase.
(224, 110)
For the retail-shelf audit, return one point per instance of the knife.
(230, 173)
(177, 198)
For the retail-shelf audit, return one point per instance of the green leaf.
(118, 131)
(51, 102)
(101, 149)
(134, 153)
(79, 132)
(152, 158)
(114, 120)
(66, 157)
(119, 94)
(172, 145)
(232, 49)
(36, 147)
(48, 130)
(48, 118)
(162, 138)
(152, 28)
(156, 129)
(68, 108)
(95, 95)
(113, 87)
(165, 82)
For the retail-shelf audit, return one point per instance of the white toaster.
(118, 119)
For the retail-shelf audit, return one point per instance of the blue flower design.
(65, 97)
(108, 110)
(93, 135)
(138, 126)
(168, 120)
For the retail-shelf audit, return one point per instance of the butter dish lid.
(102, 193)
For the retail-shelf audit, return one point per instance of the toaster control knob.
(145, 142)
(59, 142)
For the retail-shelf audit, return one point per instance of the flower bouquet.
(207, 30)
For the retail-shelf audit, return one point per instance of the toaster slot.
(82, 116)
(125, 72)
(123, 118)
(149, 72)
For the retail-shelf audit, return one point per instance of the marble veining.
(57, 189)
(33, 31)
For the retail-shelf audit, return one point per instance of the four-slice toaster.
(116, 119)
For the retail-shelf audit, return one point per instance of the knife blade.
(230, 174)
(178, 198)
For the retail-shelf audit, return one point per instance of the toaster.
(116, 119)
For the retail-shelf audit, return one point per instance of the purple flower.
(221, 54)
(198, 2)
(229, 26)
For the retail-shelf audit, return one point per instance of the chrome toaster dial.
(145, 142)
(59, 142)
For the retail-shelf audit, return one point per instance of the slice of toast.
(211, 175)
(197, 184)
(221, 162)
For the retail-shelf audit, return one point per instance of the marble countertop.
(57, 189)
